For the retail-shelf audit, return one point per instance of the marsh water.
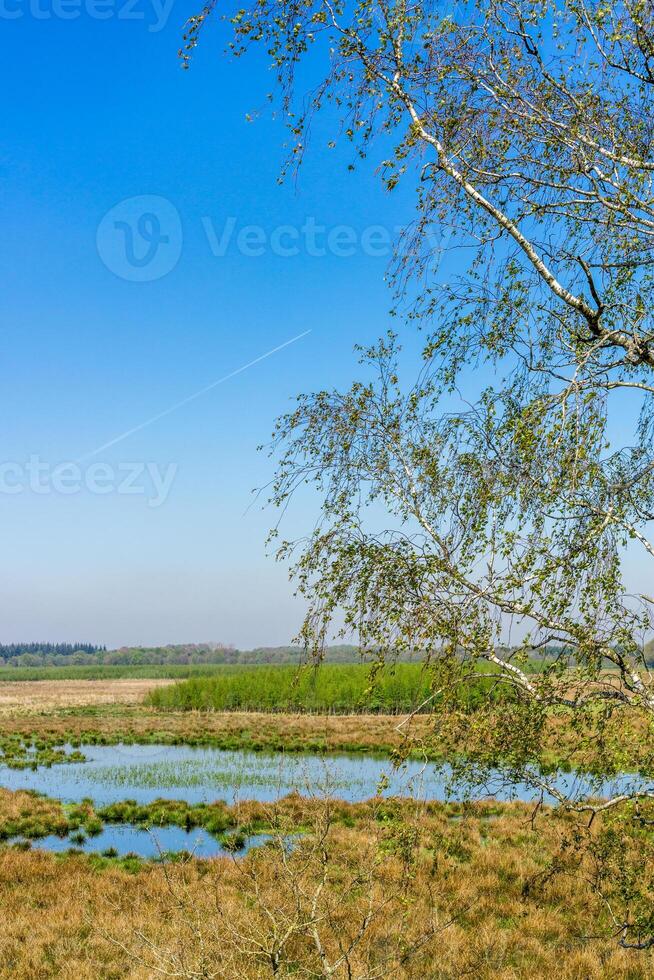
(111, 773)
(124, 839)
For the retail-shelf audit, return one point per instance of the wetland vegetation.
(501, 877)
(476, 889)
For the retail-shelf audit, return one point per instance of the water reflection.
(122, 839)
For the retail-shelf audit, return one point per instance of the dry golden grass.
(26, 697)
(67, 918)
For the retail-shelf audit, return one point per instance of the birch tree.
(460, 527)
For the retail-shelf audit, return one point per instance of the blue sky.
(98, 112)
(102, 128)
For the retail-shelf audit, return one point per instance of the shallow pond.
(112, 773)
(128, 839)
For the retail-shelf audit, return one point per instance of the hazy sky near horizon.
(134, 281)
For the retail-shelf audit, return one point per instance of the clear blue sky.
(97, 111)
(96, 340)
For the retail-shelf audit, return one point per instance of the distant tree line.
(53, 654)
(86, 654)
(91, 655)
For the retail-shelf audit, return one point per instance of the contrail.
(191, 398)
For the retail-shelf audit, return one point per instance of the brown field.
(21, 697)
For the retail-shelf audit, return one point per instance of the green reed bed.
(332, 688)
